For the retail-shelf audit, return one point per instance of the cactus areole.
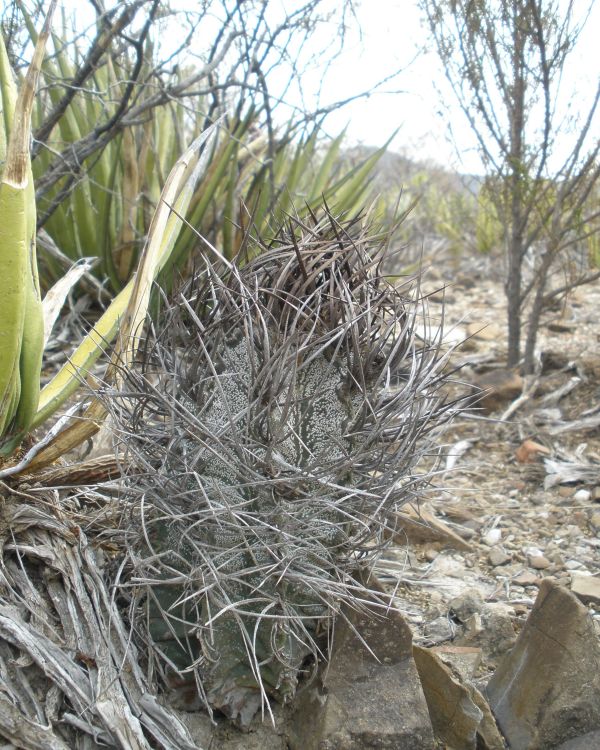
(274, 429)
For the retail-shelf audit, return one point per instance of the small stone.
(485, 332)
(492, 631)
(566, 491)
(595, 520)
(529, 452)
(573, 565)
(438, 630)
(539, 562)
(492, 537)
(465, 660)
(562, 326)
(582, 496)
(498, 557)
(473, 625)
(431, 553)
(554, 361)
(556, 558)
(533, 552)
(467, 604)
(499, 387)
(586, 588)
(596, 494)
(526, 578)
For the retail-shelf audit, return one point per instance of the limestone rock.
(454, 716)
(537, 693)
(586, 588)
(464, 660)
(365, 698)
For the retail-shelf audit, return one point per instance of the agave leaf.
(347, 195)
(127, 312)
(21, 320)
(209, 190)
(130, 191)
(8, 99)
(230, 207)
(164, 230)
(326, 167)
(55, 296)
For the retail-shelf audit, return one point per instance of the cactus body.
(273, 432)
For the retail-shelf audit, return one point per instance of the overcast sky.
(424, 109)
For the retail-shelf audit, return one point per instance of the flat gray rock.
(586, 588)
(547, 689)
(365, 698)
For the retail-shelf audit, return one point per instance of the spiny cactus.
(272, 432)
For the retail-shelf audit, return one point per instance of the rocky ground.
(517, 501)
(512, 517)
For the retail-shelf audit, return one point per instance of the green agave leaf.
(128, 310)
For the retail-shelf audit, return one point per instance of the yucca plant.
(271, 432)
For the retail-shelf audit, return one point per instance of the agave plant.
(23, 319)
(107, 210)
(273, 429)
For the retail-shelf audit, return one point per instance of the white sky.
(425, 109)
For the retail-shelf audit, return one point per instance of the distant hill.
(396, 170)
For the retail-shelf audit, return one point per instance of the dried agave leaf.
(69, 672)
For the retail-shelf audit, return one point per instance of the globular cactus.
(275, 427)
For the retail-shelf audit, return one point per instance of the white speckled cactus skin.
(274, 430)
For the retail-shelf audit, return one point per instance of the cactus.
(273, 430)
